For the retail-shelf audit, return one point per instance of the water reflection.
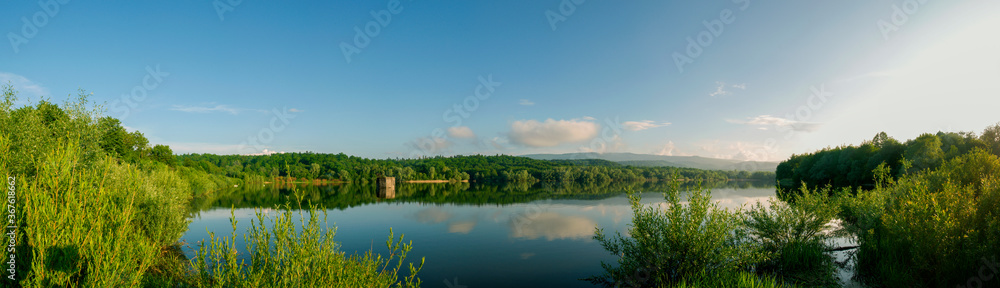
(552, 226)
(485, 235)
(346, 195)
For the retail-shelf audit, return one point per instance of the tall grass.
(294, 252)
(82, 226)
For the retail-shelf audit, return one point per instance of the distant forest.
(108, 136)
(477, 168)
(853, 166)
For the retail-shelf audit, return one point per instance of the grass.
(298, 253)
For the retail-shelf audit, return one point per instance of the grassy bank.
(96, 206)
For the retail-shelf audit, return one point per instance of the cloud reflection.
(432, 215)
(463, 227)
(552, 226)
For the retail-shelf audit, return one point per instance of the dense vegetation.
(935, 228)
(853, 166)
(923, 216)
(96, 206)
(476, 168)
(695, 243)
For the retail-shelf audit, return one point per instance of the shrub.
(931, 229)
(301, 254)
(676, 243)
(795, 236)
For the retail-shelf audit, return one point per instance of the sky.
(733, 79)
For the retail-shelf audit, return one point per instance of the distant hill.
(647, 160)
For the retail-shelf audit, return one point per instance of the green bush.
(795, 236)
(80, 224)
(669, 245)
(298, 254)
(930, 229)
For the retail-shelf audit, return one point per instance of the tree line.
(476, 168)
(854, 166)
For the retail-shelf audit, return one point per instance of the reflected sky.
(541, 243)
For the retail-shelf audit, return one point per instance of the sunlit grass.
(295, 252)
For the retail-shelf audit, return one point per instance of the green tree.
(162, 153)
(991, 137)
(924, 152)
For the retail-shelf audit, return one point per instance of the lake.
(471, 235)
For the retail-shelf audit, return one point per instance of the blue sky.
(762, 80)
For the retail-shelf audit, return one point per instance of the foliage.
(298, 254)
(677, 243)
(97, 207)
(476, 168)
(931, 229)
(852, 166)
(794, 236)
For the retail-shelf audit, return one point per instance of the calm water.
(475, 236)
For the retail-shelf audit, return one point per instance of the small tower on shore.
(385, 187)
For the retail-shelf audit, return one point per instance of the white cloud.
(615, 144)
(589, 118)
(526, 102)
(551, 132)
(739, 150)
(461, 132)
(720, 88)
(642, 125)
(768, 121)
(500, 143)
(667, 150)
(23, 85)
